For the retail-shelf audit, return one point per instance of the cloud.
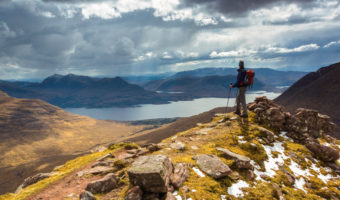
(333, 43)
(303, 48)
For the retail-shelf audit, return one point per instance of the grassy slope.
(36, 136)
(222, 135)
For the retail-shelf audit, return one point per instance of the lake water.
(173, 109)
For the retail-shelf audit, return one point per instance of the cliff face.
(271, 154)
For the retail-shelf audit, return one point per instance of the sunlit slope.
(36, 136)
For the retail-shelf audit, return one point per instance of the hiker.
(242, 88)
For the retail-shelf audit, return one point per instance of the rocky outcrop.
(268, 135)
(242, 162)
(151, 173)
(305, 126)
(178, 146)
(34, 179)
(105, 184)
(135, 193)
(180, 174)
(212, 165)
(86, 195)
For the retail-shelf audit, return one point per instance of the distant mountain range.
(208, 86)
(83, 91)
(318, 90)
(267, 76)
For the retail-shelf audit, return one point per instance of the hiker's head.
(241, 64)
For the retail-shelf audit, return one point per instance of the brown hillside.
(36, 136)
(318, 90)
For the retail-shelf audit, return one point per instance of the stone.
(105, 184)
(97, 170)
(178, 146)
(234, 175)
(212, 165)
(250, 174)
(265, 177)
(242, 162)
(277, 192)
(36, 178)
(151, 196)
(268, 134)
(152, 147)
(180, 174)
(325, 153)
(170, 196)
(135, 193)
(105, 157)
(151, 173)
(86, 195)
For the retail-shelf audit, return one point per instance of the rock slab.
(105, 184)
(212, 165)
(242, 162)
(181, 173)
(151, 173)
(135, 193)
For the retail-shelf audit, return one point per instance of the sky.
(134, 37)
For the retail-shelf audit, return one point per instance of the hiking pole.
(226, 109)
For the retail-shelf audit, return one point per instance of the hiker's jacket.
(240, 78)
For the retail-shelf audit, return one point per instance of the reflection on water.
(173, 109)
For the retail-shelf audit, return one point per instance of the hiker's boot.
(237, 112)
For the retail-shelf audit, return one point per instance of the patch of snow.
(327, 144)
(223, 197)
(242, 142)
(240, 137)
(299, 183)
(178, 197)
(324, 178)
(235, 189)
(193, 190)
(297, 170)
(189, 199)
(198, 172)
(272, 163)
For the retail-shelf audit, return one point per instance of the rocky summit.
(271, 155)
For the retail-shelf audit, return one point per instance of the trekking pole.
(226, 109)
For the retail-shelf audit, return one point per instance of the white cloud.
(303, 48)
(233, 53)
(333, 43)
(103, 10)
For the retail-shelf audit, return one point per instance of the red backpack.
(249, 78)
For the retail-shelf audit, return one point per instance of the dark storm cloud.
(240, 7)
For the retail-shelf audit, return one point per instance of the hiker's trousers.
(241, 99)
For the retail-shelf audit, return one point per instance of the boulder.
(242, 162)
(36, 178)
(103, 163)
(135, 193)
(180, 174)
(152, 147)
(212, 165)
(97, 170)
(325, 153)
(86, 195)
(105, 184)
(234, 175)
(151, 173)
(178, 146)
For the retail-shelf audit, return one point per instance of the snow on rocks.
(198, 172)
(272, 163)
(236, 188)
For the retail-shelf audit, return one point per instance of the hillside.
(208, 86)
(36, 136)
(267, 76)
(317, 90)
(83, 91)
(226, 158)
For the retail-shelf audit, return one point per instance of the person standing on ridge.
(242, 88)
